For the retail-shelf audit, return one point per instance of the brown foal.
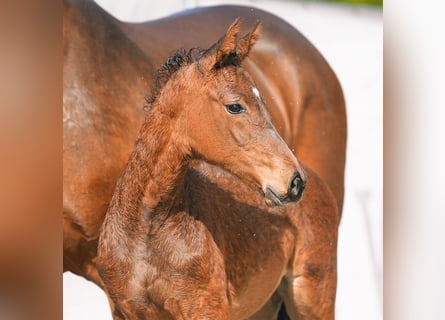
(162, 253)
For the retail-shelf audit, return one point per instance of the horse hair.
(179, 59)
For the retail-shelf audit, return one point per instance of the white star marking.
(256, 92)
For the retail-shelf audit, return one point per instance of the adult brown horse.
(106, 76)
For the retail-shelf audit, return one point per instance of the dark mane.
(179, 59)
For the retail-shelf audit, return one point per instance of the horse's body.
(288, 251)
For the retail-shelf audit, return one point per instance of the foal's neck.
(154, 172)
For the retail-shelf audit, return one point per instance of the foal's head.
(220, 117)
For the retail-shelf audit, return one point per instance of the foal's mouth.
(273, 200)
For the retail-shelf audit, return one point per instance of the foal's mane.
(226, 54)
(179, 59)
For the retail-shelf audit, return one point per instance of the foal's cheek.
(240, 135)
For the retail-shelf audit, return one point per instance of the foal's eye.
(235, 108)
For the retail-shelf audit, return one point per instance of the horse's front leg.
(270, 310)
(306, 297)
(309, 287)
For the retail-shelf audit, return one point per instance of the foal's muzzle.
(295, 190)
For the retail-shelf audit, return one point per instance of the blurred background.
(349, 34)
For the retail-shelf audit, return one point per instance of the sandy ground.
(351, 39)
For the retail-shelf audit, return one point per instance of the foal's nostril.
(296, 187)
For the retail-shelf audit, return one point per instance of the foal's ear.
(227, 50)
(247, 42)
(227, 46)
